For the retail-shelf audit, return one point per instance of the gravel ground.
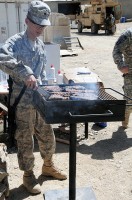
(104, 160)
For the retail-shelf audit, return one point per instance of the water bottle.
(51, 78)
(52, 72)
(59, 78)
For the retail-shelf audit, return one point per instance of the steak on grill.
(69, 93)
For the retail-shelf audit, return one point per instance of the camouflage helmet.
(38, 12)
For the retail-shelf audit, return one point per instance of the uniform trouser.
(29, 122)
(128, 92)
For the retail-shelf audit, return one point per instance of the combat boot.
(126, 121)
(30, 183)
(124, 124)
(48, 169)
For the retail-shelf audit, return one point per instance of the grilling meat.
(59, 95)
(73, 88)
(52, 88)
(84, 96)
(72, 92)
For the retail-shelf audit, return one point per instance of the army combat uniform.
(20, 58)
(110, 26)
(122, 54)
(23, 57)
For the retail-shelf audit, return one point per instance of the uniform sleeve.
(119, 48)
(9, 64)
(43, 77)
(43, 71)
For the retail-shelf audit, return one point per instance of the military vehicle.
(99, 15)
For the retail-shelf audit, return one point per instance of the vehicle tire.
(80, 27)
(94, 28)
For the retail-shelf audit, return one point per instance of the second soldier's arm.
(119, 50)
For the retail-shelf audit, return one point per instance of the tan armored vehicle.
(99, 15)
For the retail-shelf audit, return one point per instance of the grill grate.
(105, 96)
(67, 92)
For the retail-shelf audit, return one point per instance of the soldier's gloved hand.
(124, 70)
(31, 82)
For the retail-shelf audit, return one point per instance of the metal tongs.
(43, 92)
(83, 73)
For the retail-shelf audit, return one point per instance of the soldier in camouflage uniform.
(110, 26)
(23, 58)
(122, 54)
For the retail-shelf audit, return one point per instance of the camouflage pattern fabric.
(108, 23)
(29, 122)
(39, 13)
(128, 93)
(19, 59)
(122, 52)
(122, 55)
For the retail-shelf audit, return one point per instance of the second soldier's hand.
(124, 70)
(31, 82)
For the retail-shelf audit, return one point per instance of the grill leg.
(86, 130)
(72, 162)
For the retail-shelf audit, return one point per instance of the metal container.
(12, 18)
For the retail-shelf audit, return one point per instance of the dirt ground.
(104, 160)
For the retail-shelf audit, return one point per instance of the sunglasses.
(42, 26)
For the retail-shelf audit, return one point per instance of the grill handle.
(119, 93)
(122, 95)
(109, 113)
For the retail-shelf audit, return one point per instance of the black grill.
(103, 108)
